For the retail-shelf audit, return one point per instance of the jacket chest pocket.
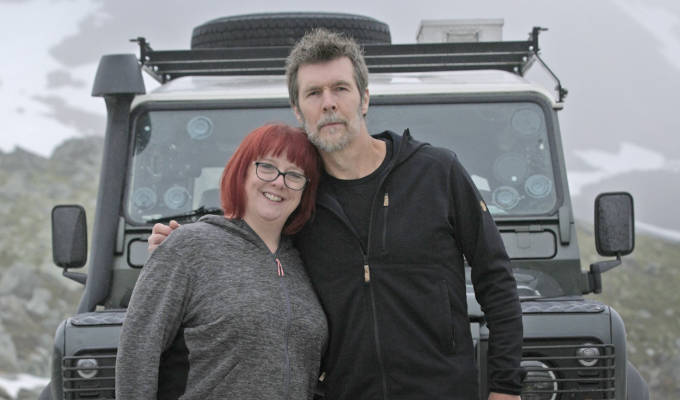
(413, 230)
(446, 329)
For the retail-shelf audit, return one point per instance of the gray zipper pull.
(367, 273)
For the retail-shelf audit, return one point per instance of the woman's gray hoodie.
(213, 316)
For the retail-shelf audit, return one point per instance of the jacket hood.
(240, 228)
(404, 146)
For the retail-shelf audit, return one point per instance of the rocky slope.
(644, 291)
(34, 298)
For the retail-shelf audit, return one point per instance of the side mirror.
(614, 224)
(69, 236)
(614, 234)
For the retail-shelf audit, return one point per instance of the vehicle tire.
(46, 394)
(284, 29)
(636, 387)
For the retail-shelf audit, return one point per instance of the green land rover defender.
(165, 149)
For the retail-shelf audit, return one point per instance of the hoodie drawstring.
(279, 267)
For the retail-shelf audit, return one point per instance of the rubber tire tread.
(284, 29)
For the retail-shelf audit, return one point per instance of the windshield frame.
(552, 130)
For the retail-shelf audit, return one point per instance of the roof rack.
(512, 56)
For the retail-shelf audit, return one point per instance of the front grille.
(555, 373)
(101, 384)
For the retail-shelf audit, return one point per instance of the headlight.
(87, 368)
(540, 382)
(588, 356)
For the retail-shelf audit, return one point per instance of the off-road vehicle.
(164, 151)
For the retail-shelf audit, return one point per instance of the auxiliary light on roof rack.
(512, 56)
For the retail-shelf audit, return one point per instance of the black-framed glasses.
(268, 173)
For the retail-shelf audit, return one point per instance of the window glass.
(504, 147)
(179, 155)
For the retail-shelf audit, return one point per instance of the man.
(395, 220)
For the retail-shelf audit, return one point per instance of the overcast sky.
(620, 60)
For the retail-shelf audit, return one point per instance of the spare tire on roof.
(284, 29)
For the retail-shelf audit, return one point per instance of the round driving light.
(588, 356)
(511, 168)
(200, 128)
(87, 368)
(538, 186)
(540, 382)
(526, 121)
(144, 198)
(506, 197)
(176, 197)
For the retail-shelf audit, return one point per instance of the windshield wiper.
(191, 216)
(532, 298)
(551, 298)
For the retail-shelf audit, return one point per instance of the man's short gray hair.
(321, 45)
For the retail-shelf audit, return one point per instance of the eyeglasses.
(269, 173)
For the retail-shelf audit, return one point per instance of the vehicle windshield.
(178, 155)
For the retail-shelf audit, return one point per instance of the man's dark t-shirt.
(356, 196)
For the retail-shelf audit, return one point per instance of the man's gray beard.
(324, 145)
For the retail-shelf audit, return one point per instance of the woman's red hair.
(275, 140)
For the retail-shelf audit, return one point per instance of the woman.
(223, 308)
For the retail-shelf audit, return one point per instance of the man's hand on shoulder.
(502, 396)
(159, 233)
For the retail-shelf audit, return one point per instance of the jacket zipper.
(371, 295)
(280, 272)
(376, 334)
(386, 204)
(367, 284)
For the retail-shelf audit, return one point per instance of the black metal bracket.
(512, 56)
(596, 271)
(145, 52)
(533, 37)
(75, 276)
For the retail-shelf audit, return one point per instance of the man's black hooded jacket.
(397, 309)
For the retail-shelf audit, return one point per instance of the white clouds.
(659, 22)
(34, 27)
(630, 158)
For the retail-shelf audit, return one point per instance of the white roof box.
(460, 30)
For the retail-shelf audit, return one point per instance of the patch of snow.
(12, 384)
(630, 158)
(668, 234)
